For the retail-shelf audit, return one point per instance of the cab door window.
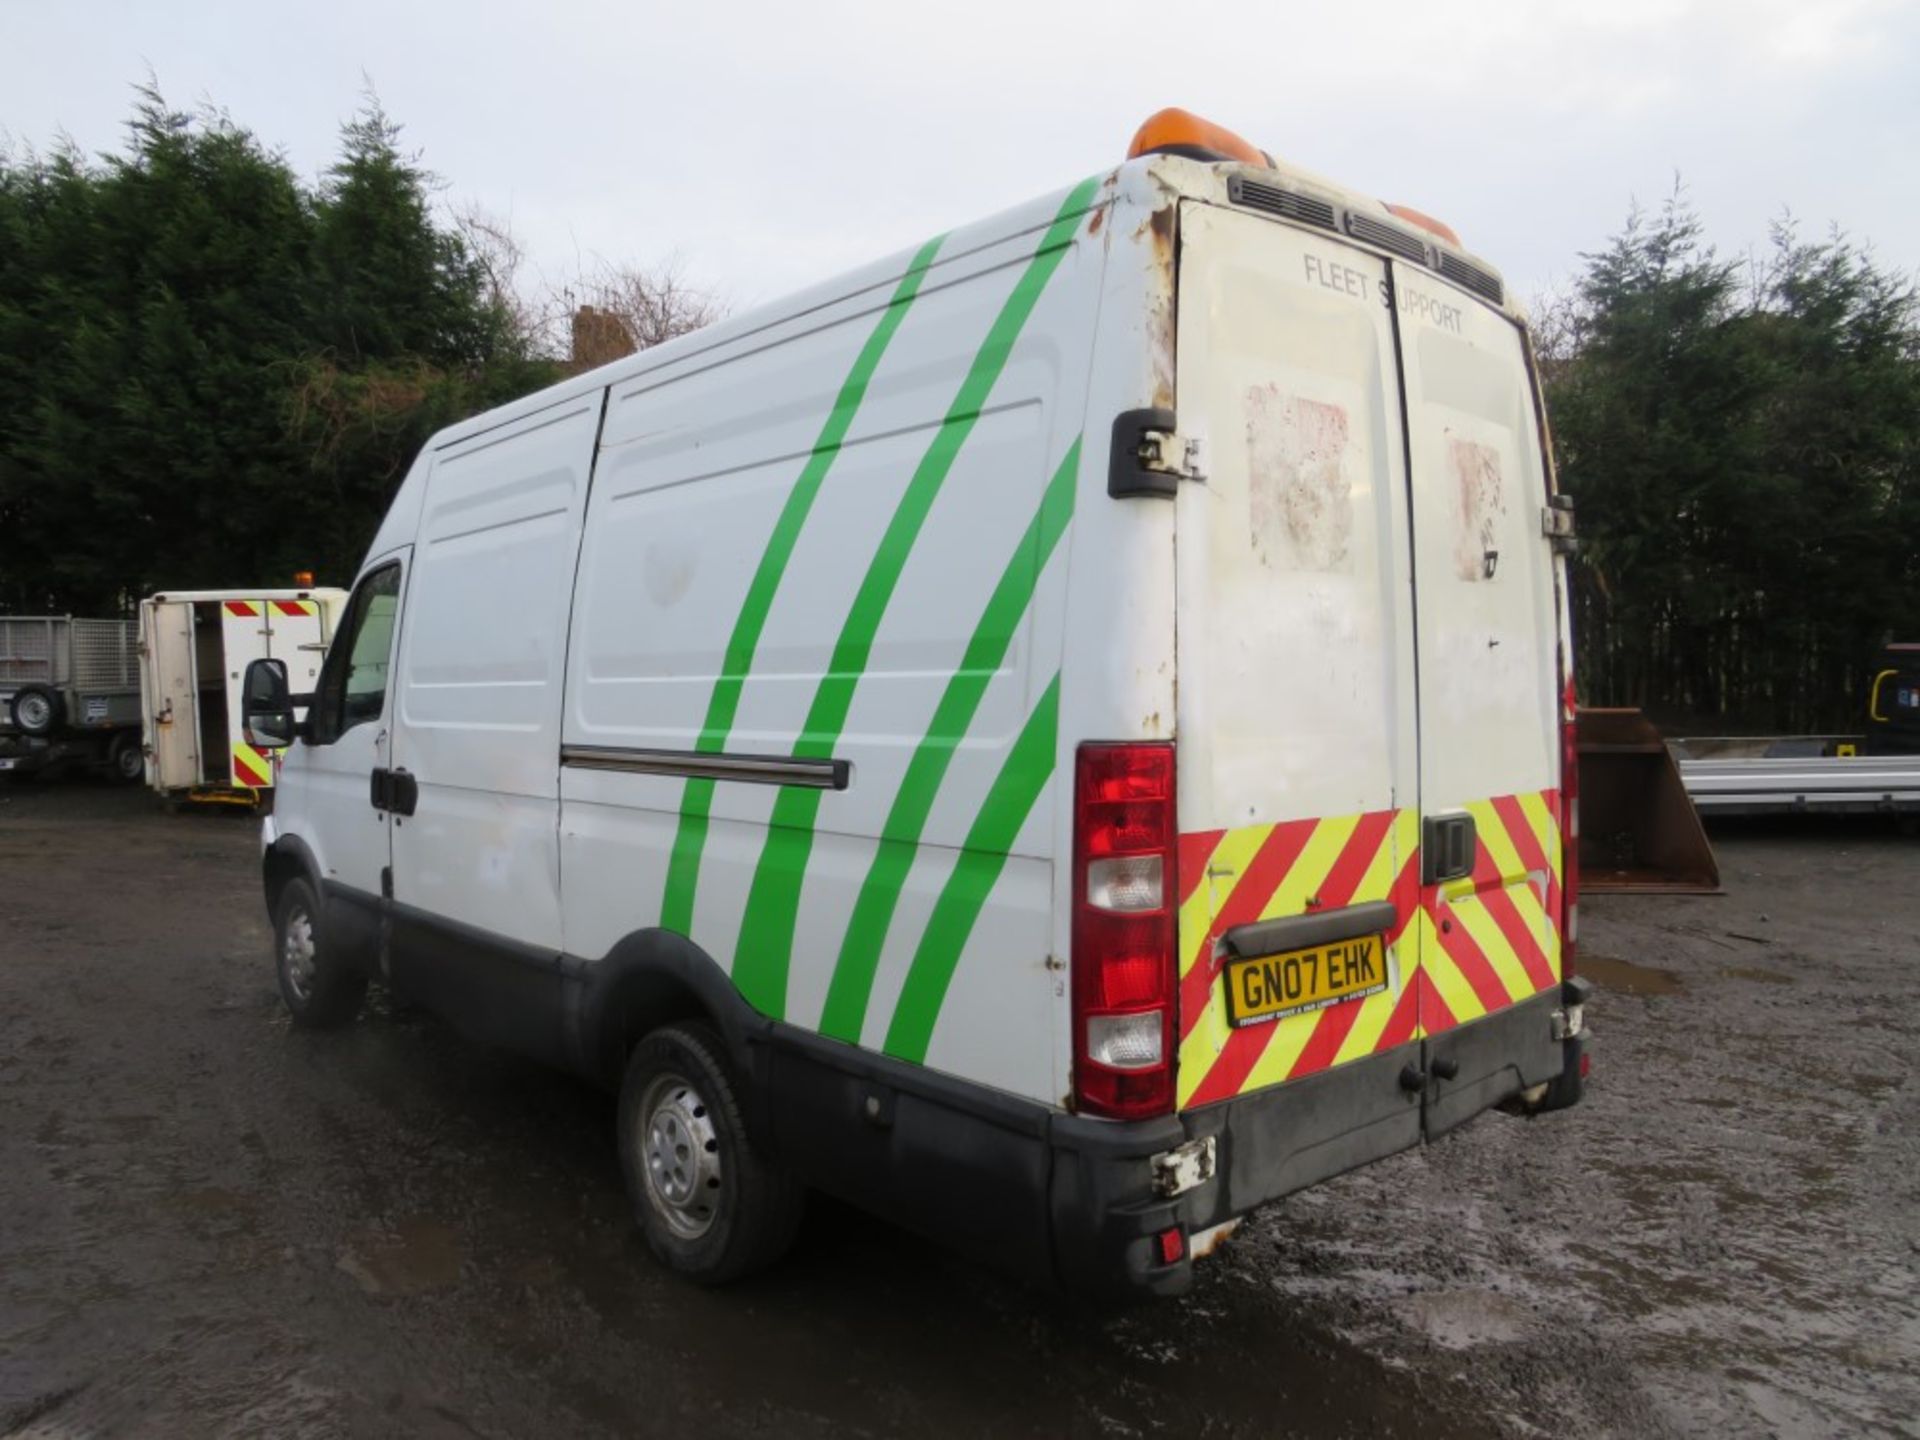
(353, 683)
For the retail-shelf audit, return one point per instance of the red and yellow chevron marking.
(251, 768)
(1456, 952)
(1492, 938)
(1263, 872)
(296, 607)
(243, 608)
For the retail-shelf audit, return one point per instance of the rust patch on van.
(1099, 219)
(1479, 503)
(1299, 491)
(1158, 229)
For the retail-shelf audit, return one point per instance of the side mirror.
(266, 706)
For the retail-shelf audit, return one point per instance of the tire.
(713, 1204)
(126, 760)
(35, 710)
(319, 995)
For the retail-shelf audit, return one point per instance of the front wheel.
(713, 1203)
(320, 993)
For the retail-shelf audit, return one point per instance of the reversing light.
(1123, 930)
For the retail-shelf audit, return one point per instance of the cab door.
(1486, 631)
(330, 794)
(1296, 724)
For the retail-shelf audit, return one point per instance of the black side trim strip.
(1297, 932)
(1010, 1112)
(755, 769)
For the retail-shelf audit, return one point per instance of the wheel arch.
(648, 979)
(288, 858)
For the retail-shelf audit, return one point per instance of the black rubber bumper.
(1269, 1143)
(1073, 1201)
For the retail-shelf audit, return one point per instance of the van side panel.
(902, 638)
(482, 647)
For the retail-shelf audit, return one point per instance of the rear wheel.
(125, 759)
(320, 993)
(713, 1203)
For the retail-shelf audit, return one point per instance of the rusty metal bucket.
(1639, 832)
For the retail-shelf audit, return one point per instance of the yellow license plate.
(1269, 987)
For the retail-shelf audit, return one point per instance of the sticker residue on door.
(1478, 503)
(1299, 492)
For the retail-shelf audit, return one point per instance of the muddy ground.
(211, 1224)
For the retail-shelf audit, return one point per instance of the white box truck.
(195, 646)
(1059, 737)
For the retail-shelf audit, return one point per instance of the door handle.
(394, 790)
(1447, 848)
(405, 793)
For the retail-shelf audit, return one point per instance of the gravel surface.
(212, 1224)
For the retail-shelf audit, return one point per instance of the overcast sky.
(771, 145)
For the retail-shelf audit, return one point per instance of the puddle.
(1461, 1319)
(409, 1258)
(1627, 977)
(1751, 972)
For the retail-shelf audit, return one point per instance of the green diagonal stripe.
(988, 844)
(696, 803)
(846, 1008)
(765, 950)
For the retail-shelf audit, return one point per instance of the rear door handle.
(1448, 844)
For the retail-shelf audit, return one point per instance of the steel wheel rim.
(132, 762)
(298, 957)
(33, 712)
(680, 1156)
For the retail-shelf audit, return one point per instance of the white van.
(1058, 737)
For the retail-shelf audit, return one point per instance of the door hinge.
(1556, 523)
(1150, 457)
(1176, 454)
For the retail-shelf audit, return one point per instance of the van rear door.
(1297, 786)
(1486, 627)
(169, 688)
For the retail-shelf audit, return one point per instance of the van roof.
(1289, 191)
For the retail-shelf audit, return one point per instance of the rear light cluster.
(1123, 930)
(1569, 829)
